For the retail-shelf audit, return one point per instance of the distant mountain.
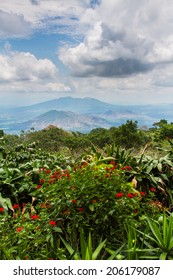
(82, 114)
(66, 120)
(76, 105)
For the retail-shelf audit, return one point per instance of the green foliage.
(128, 136)
(55, 205)
(85, 250)
(159, 238)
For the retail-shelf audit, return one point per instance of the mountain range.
(80, 114)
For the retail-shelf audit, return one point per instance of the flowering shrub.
(52, 200)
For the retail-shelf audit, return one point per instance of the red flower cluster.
(142, 193)
(110, 169)
(52, 223)
(38, 186)
(119, 195)
(16, 206)
(35, 217)
(1, 209)
(41, 181)
(58, 175)
(81, 209)
(74, 201)
(127, 167)
(19, 229)
(130, 195)
(55, 175)
(152, 189)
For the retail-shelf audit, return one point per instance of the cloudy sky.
(118, 51)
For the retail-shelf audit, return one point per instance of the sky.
(117, 51)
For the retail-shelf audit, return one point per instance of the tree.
(99, 137)
(128, 135)
(164, 132)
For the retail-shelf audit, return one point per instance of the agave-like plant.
(160, 237)
(85, 251)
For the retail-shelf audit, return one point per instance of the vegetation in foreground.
(104, 202)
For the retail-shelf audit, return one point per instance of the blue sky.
(118, 51)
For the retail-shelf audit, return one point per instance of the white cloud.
(44, 14)
(20, 71)
(125, 38)
(19, 66)
(126, 50)
(12, 25)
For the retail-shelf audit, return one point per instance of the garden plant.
(104, 203)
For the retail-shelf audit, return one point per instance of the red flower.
(119, 195)
(41, 181)
(73, 201)
(35, 217)
(130, 195)
(142, 193)
(48, 171)
(81, 209)
(16, 206)
(1, 209)
(38, 186)
(113, 162)
(127, 167)
(19, 229)
(153, 189)
(52, 223)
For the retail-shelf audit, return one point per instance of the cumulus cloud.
(125, 38)
(12, 25)
(25, 66)
(107, 52)
(23, 71)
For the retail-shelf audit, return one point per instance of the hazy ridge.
(80, 114)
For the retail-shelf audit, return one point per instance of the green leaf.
(115, 254)
(163, 256)
(57, 229)
(82, 244)
(98, 249)
(91, 207)
(70, 249)
(156, 232)
(89, 246)
(159, 167)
